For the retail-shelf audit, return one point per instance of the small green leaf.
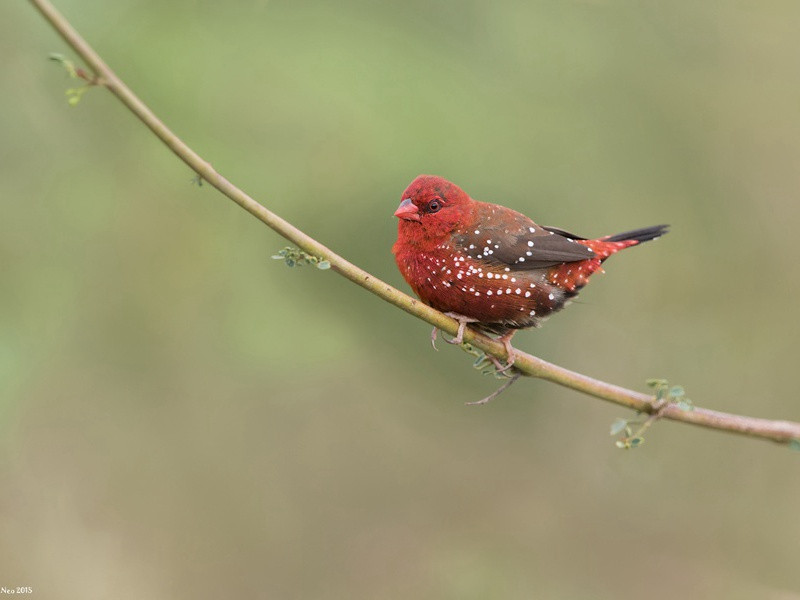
(67, 64)
(635, 442)
(74, 95)
(686, 405)
(618, 426)
(654, 383)
(294, 257)
(676, 391)
(794, 445)
(481, 363)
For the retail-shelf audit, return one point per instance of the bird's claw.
(510, 351)
(500, 367)
(462, 325)
(509, 364)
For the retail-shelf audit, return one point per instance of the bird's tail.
(572, 276)
(606, 246)
(645, 234)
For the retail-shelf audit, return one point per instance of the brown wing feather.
(511, 239)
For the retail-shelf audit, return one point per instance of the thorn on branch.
(294, 257)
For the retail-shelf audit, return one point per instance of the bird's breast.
(450, 281)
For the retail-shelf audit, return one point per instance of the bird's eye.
(434, 205)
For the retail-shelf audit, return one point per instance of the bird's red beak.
(407, 211)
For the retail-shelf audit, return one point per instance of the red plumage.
(489, 265)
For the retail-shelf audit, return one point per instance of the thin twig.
(778, 431)
(497, 392)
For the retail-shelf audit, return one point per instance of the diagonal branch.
(785, 432)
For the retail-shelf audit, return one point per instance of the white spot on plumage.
(489, 293)
(530, 243)
(551, 296)
(527, 294)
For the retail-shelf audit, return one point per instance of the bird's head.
(431, 208)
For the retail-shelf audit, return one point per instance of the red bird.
(491, 266)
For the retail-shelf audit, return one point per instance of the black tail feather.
(644, 234)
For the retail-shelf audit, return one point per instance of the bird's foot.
(510, 351)
(499, 391)
(462, 326)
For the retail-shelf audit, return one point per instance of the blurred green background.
(183, 417)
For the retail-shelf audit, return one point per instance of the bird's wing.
(513, 240)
